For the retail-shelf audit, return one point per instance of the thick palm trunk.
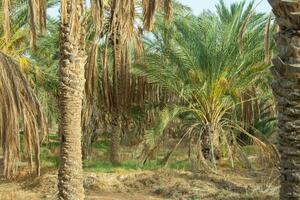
(117, 99)
(70, 98)
(115, 139)
(210, 144)
(286, 88)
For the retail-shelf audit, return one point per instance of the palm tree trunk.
(71, 87)
(117, 99)
(286, 71)
(115, 139)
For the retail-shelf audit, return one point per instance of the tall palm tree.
(286, 86)
(71, 85)
(122, 34)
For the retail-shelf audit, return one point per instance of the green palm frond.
(200, 59)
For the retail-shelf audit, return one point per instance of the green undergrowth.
(50, 158)
(101, 146)
(251, 150)
(130, 165)
(100, 163)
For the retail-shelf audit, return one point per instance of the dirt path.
(118, 196)
(150, 185)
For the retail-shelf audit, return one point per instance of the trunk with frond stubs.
(71, 78)
(286, 87)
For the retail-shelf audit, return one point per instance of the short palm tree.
(209, 61)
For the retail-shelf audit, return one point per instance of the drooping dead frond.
(37, 18)
(91, 102)
(20, 111)
(105, 78)
(63, 12)
(97, 7)
(242, 32)
(168, 9)
(41, 15)
(6, 19)
(91, 73)
(149, 8)
(122, 20)
(31, 19)
(267, 41)
(121, 30)
(131, 15)
(138, 44)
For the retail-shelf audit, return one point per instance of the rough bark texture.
(117, 109)
(115, 139)
(286, 87)
(70, 98)
(117, 95)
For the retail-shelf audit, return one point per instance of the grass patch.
(107, 167)
(250, 150)
(53, 137)
(101, 145)
(181, 164)
(48, 159)
(51, 141)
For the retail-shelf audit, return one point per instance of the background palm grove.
(141, 99)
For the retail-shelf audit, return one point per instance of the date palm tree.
(21, 107)
(209, 61)
(71, 85)
(120, 36)
(286, 86)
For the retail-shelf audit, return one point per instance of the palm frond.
(19, 109)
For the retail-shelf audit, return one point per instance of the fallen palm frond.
(22, 123)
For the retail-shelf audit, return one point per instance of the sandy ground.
(151, 185)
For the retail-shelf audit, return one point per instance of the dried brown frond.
(105, 78)
(97, 7)
(122, 20)
(168, 9)
(32, 22)
(138, 44)
(6, 19)
(20, 111)
(121, 32)
(267, 41)
(149, 8)
(63, 12)
(242, 32)
(91, 101)
(37, 18)
(124, 33)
